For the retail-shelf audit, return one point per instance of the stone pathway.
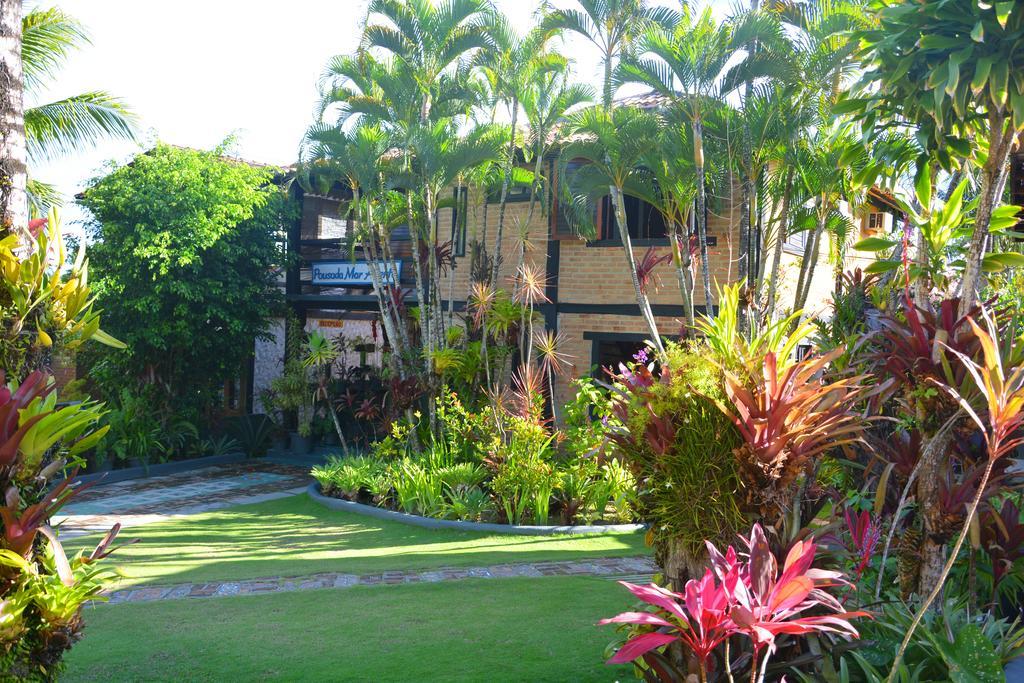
(143, 501)
(635, 569)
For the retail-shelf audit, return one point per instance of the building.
(591, 298)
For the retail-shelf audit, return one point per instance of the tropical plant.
(612, 143)
(999, 386)
(679, 447)
(787, 418)
(44, 303)
(42, 594)
(161, 269)
(49, 36)
(972, 107)
(748, 597)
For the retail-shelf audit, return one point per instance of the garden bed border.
(173, 467)
(431, 523)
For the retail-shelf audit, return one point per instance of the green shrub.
(687, 488)
(524, 484)
(469, 503)
(462, 475)
(418, 490)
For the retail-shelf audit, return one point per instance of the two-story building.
(591, 297)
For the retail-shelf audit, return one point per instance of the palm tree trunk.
(780, 240)
(993, 180)
(421, 292)
(627, 246)
(13, 154)
(505, 182)
(681, 258)
(810, 260)
(702, 227)
(606, 94)
(459, 220)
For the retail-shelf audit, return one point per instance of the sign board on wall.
(349, 273)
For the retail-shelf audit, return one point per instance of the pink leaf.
(637, 618)
(641, 645)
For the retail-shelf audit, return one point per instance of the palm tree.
(827, 178)
(62, 127)
(13, 161)
(547, 99)
(509, 67)
(781, 181)
(670, 163)
(359, 159)
(613, 26)
(613, 145)
(768, 54)
(686, 62)
(427, 42)
(428, 39)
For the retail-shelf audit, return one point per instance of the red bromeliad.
(865, 535)
(750, 597)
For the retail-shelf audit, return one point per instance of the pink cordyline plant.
(743, 595)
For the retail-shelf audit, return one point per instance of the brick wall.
(593, 274)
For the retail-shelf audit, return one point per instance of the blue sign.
(351, 273)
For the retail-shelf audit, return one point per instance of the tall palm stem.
(13, 152)
(505, 182)
(701, 217)
(627, 247)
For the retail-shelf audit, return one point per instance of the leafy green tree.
(184, 265)
(950, 70)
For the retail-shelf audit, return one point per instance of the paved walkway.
(156, 499)
(636, 569)
(142, 501)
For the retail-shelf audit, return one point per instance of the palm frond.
(48, 37)
(68, 125)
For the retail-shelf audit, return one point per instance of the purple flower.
(640, 356)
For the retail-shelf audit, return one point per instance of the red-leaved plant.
(743, 594)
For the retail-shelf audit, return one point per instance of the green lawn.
(473, 630)
(295, 536)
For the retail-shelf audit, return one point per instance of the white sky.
(195, 71)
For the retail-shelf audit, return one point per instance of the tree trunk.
(810, 260)
(780, 239)
(13, 154)
(627, 246)
(929, 483)
(681, 259)
(421, 291)
(702, 227)
(993, 179)
(505, 182)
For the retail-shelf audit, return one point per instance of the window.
(608, 353)
(332, 227)
(873, 223)
(643, 220)
(796, 241)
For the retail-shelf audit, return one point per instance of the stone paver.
(143, 501)
(637, 568)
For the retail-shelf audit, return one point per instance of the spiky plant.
(787, 418)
